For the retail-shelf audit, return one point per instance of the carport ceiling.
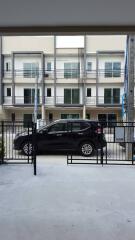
(67, 15)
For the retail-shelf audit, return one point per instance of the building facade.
(86, 82)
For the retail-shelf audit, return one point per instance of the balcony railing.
(60, 100)
(62, 74)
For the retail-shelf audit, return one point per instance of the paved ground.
(76, 202)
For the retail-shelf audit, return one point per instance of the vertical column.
(130, 96)
(97, 69)
(84, 78)
(13, 80)
(43, 85)
(54, 69)
(1, 71)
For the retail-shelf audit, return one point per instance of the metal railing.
(50, 101)
(65, 74)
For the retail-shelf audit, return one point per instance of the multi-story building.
(84, 82)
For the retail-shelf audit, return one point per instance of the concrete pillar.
(43, 112)
(130, 96)
(1, 70)
(55, 74)
(13, 80)
(84, 112)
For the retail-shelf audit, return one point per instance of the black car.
(83, 136)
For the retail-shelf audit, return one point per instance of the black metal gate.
(8, 132)
(116, 151)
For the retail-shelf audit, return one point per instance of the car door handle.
(80, 133)
(59, 134)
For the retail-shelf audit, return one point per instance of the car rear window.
(78, 126)
(58, 127)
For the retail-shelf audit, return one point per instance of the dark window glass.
(116, 95)
(49, 66)
(29, 96)
(30, 70)
(71, 96)
(67, 96)
(76, 126)
(50, 117)
(89, 66)
(108, 69)
(116, 69)
(84, 125)
(107, 96)
(8, 92)
(71, 70)
(87, 115)
(75, 96)
(113, 69)
(27, 119)
(69, 116)
(58, 127)
(88, 92)
(7, 66)
(48, 92)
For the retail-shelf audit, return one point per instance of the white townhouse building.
(84, 82)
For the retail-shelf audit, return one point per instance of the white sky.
(70, 42)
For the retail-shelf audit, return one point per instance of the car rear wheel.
(86, 149)
(27, 148)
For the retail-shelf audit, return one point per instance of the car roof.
(75, 120)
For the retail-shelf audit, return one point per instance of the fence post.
(102, 153)
(34, 148)
(2, 141)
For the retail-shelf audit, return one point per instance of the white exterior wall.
(28, 43)
(105, 43)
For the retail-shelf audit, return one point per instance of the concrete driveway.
(75, 202)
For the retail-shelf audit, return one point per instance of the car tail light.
(98, 130)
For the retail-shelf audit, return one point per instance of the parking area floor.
(75, 202)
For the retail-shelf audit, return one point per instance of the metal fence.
(9, 132)
(119, 149)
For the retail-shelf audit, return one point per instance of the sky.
(70, 42)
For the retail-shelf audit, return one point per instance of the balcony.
(94, 101)
(61, 100)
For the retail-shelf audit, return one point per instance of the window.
(30, 70)
(58, 127)
(112, 96)
(88, 92)
(113, 69)
(71, 70)
(29, 96)
(109, 119)
(78, 126)
(116, 69)
(48, 92)
(49, 66)
(27, 119)
(7, 66)
(8, 92)
(50, 117)
(87, 115)
(69, 116)
(71, 96)
(89, 66)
